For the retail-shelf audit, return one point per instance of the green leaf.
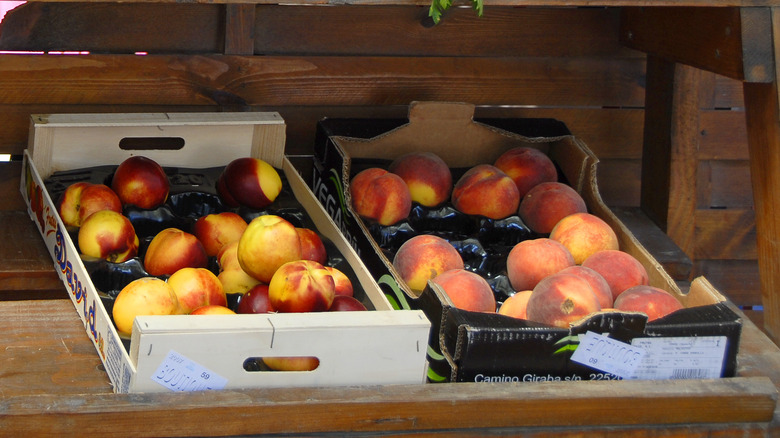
(436, 11)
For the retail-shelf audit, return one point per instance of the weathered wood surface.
(55, 373)
(370, 61)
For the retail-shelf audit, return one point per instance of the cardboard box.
(468, 346)
(209, 352)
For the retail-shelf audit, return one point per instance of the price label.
(608, 355)
(178, 373)
(689, 357)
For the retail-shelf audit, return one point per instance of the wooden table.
(54, 383)
(52, 380)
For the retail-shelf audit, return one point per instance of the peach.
(346, 303)
(652, 301)
(423, 257)
(380, 196)
(140, 181)
(212, 309)
(312, 247)
(620, 269)
(527, 167)
(596, 281)
(196, 287)
(486, 191)
(143, 296)
(108, 235)
(301, 286)
(218, 229)
(255, 300)
(547, 203)
(172, 249)
(232, 276)
(516, 305)
(561, 299)
(249, 182)
(81, 199)
(342, 283)
(428, 177)
(531, 260)
(584, 234)
(467, 290)
(292, 363)
(268, 242)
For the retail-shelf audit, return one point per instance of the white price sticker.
(608, 355)
(178, 373)
(690, 357)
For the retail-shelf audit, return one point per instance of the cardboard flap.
(454, 126)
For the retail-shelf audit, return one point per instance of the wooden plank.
(239, 29)
(60, 377)
(114, 28)
(727, 184)
(723, 135)
(736, 279)
(683, 164)
(673, 259)
(725, 234)
(586, 3)
(732, 42)
(399, 30)
(619, 183)
(657, 140)
(318, 80)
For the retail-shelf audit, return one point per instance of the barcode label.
(694, 357)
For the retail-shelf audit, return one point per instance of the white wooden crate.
(384, 346)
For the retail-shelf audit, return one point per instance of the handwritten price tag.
(179, 373)
(608, 355)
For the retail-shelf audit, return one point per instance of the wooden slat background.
(312, 62)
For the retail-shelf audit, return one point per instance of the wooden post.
(240, 29)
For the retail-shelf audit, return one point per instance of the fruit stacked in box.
(222, 240)
(507, 236)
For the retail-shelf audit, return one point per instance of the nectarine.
(301, 286)
(268, 242)
(143, 296)
(108, 235)
(218, 229)
(250, 182)
(140, 181)
(172, 249)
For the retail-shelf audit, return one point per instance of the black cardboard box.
(700, 341)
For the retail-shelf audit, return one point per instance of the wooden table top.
(52, 381)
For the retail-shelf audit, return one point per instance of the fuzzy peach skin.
(486, 191)
(422, 258)
(380, 196)
(547, 203)
(143, 296)
(467, 290)
(81, 199)
(620, 269)
(108, 235)
(218, 229)
(250, 182)
(172, 249)
(584, 234)
(596, 281)
(652, 301)
(428, 177)
(516, 305)
(561, 299)
(268, 242)
(531, 260)
(140, 181)
(527, 167)
(312, 247)
(196, 287)
(301, 286)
